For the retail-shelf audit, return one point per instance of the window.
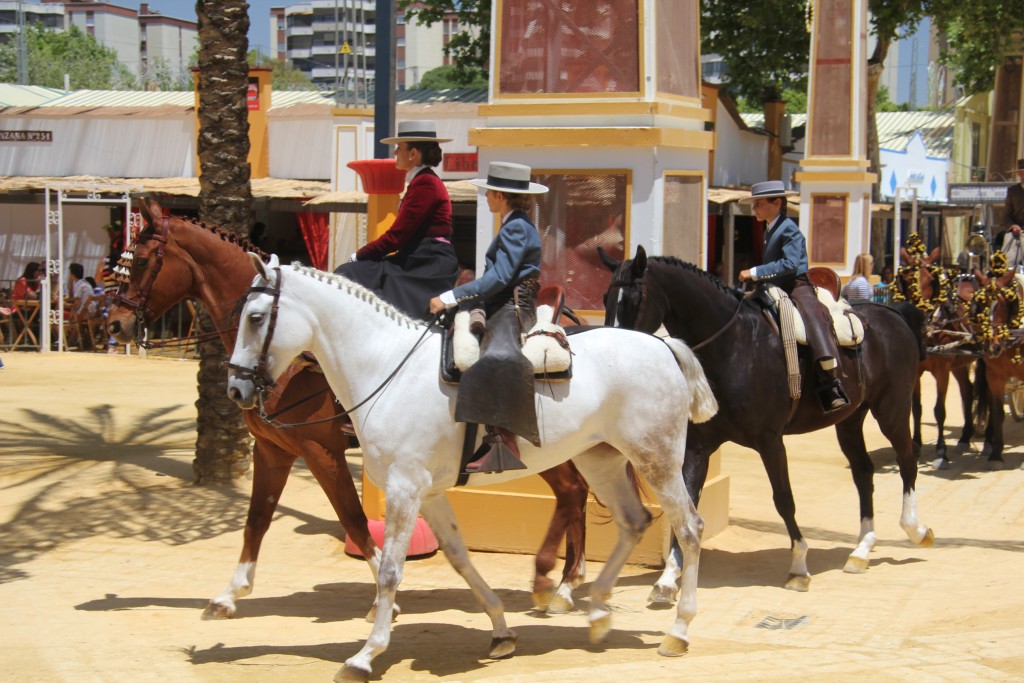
(582, 210)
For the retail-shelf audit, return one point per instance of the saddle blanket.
(848, 327)
(541, 347)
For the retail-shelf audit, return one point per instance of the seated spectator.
(26, 287)
(80, 290)
(859, 287)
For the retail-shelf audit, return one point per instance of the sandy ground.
(108, 555)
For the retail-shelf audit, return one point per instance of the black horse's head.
(626, 299)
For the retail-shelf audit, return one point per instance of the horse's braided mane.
(355, 289)
(241, 242)
(710, 277)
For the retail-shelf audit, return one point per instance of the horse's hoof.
(218, 610)
(662, 595)
(798, 582)
(542, 599)
(855, 565)
(941, 464)
(351, 673)
(503, 647)
(963, 447)
(928, 540)
(995, 464)
(672, 646)
(599, 628)
(560, 605)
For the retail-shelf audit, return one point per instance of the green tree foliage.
(470, 48)
(448, 77)
(796, 103)
(764, 45)
(980, 35)
(286, 76)
(159, 75)
(51, 54)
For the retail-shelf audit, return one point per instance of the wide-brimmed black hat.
(767, 190)
(415, 131)
(505, 176)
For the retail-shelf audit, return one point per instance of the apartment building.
(142, 38)
(334, 43)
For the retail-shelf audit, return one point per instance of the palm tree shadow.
(49, 463)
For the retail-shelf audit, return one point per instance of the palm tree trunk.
(223, 445)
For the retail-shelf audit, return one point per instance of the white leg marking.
(223, 606)
(857, 562)
(915, 530)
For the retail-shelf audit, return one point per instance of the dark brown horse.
(175, 259)
(997, 304)
(948, 336)
(743, 358)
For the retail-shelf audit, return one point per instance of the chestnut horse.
(948, 336)
(742, 355)
(997, 303)
(175, 259)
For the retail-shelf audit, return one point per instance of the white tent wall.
(107, 147)
(300, 147)
(23, 237)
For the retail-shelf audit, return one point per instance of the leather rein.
(260, 374)
(616, 282)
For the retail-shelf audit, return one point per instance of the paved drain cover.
(772, 623)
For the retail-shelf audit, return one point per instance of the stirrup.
(832, 396)
(496, 458)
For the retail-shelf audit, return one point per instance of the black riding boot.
(830, 389)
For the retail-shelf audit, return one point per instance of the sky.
(259, 15)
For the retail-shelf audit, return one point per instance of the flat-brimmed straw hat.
(415, 131)
(767, 190)
(505, 176)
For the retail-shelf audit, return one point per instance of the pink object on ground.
(422, 543)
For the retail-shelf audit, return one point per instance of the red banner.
(465, 162)
(252, 97)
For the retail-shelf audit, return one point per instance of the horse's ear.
(935, 255)
(260, 267)
(981, 277)
(609, 263)
(145, 210)
(273, 262)
(904, 255)
(639, 261)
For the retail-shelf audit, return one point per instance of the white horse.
(621, 405)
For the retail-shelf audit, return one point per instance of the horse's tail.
(915, 318)
(703, 405)
(982, 407)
